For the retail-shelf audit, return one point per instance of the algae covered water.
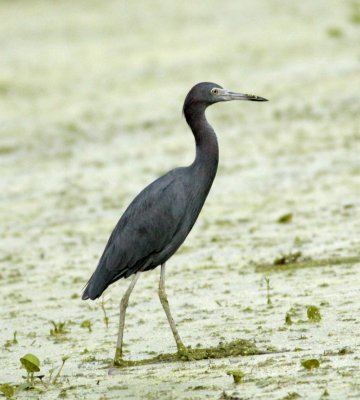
(90, 112)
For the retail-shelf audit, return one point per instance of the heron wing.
(147, 226)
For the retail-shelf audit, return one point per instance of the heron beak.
(226, 95)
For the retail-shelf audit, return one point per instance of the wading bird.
(161, 216)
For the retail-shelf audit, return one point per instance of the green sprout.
(59, 329)
(86, 324)
(32, 364)
(288, 320)
(11, 342)
(267, 281)
(7, 390)
(236, 374)
(106, 318)
(64, 359)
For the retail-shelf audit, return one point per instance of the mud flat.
(90, 100)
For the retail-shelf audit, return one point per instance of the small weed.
(106, 318)
(292, 396)
(229, 396)
(59, 329)
(268, 296)
(313, 314)
(343, 351)
(11, 342)
(311, 363)
(86, 324)
(236, 374)
(290, 258)
(285, 219)
(7, 390)
(296, 260)
(64, 359)
(89, 359)
(32, 364)
(288, 320)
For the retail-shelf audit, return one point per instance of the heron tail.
(94, 288)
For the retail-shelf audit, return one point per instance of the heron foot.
(183, 352)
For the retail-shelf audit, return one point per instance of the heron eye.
(214, 91)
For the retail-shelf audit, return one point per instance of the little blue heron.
(161, 216)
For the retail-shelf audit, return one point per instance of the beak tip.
(253, 97)
(261, 99)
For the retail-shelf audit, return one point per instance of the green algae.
(7, 390)
(288, 320)
(11, 342)
(285, 219)
(355, 13)
(286, 259)
(292, 396)
(306, 263)
(335, 32)
(236, 348)
(86, 324)
(307, 164)
(313, 313)
(310, 363)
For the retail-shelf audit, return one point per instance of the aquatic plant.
(11, 342)
(288, 320)
(268, 297)
(313, 313)
(86, 324)
(32, 364)
(64, 359)
(310, 363)
(59, 328)
(285, 219)
(289, 258)
(106, 318)
(237, 375)
(7, 390)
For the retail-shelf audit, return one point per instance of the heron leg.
(123, 306)
(165, 303)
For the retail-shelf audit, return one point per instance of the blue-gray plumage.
(161, 216)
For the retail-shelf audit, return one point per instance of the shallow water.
(90, 101)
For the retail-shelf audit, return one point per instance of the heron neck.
(207, 149)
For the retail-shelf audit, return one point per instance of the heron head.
(207, 93)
